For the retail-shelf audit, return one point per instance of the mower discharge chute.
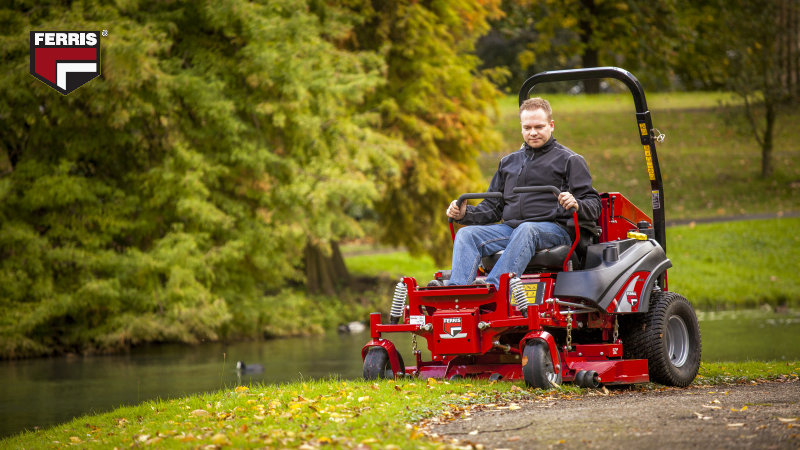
(594, 312)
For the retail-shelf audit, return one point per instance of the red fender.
(548, 339)
(390, 350)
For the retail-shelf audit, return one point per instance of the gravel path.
(763, 415)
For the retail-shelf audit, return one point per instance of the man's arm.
(580, 185)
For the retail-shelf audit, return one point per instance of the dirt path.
(761, 415)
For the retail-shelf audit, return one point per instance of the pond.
(44, 392)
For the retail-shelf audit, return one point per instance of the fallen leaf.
(702, 417)
(220, 439)
(744, 408)
(735, 425)
(787, 419)
(712, 407)
(200, 412)
(75, 439)
(242, 388)
(473, 432)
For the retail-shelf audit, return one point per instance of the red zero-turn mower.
(596, 312)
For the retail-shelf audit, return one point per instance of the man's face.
(536, 128)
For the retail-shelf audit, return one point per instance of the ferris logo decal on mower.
(452, 328)
(65, 60)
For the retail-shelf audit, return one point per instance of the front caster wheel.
(377, 364)
(537, 366)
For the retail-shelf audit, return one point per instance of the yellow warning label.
(643, 129)
(530, 290)
(648, 157)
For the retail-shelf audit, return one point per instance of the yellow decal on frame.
(650, 171)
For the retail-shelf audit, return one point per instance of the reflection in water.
(43, 392)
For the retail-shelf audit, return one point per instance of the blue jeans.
(518, 244)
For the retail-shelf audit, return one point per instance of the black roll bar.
(644, 122)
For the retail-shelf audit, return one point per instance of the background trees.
(749, 48)
(224, 151)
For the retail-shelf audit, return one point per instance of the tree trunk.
(590, 56)
(325, 274)
(766, 147)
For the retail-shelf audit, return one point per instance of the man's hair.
(532, 104)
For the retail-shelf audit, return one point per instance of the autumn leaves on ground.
(337, 413)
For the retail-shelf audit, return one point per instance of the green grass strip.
(380, 414)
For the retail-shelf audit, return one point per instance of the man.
(531, 221)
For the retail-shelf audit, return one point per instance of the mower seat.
(552, 259)
(547, 259)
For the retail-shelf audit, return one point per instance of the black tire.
(578, 381)
(377, 365)
(668, 336)
(537, 367)
(590, 380)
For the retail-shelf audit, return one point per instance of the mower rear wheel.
(537, 366)
(377, 364)
(668, 336)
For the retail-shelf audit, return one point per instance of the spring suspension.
(518, 292)
(398, 302)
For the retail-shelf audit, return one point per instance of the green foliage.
(436, 102)
(563, 34)
(173, 196)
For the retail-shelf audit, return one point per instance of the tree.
(436, 101)
(749, 48)
(172, 198)
(563, 34)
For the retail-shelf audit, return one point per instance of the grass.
(744, 264)
(310, 414)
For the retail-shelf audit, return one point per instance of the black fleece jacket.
(550, 165)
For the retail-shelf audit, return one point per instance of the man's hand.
(567, 201)
(456, 213)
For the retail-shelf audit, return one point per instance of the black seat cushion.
(549, 258)
(553, 258)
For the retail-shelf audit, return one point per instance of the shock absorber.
(398, 302)
(518, 292)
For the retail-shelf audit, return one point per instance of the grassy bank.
(382, 414)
